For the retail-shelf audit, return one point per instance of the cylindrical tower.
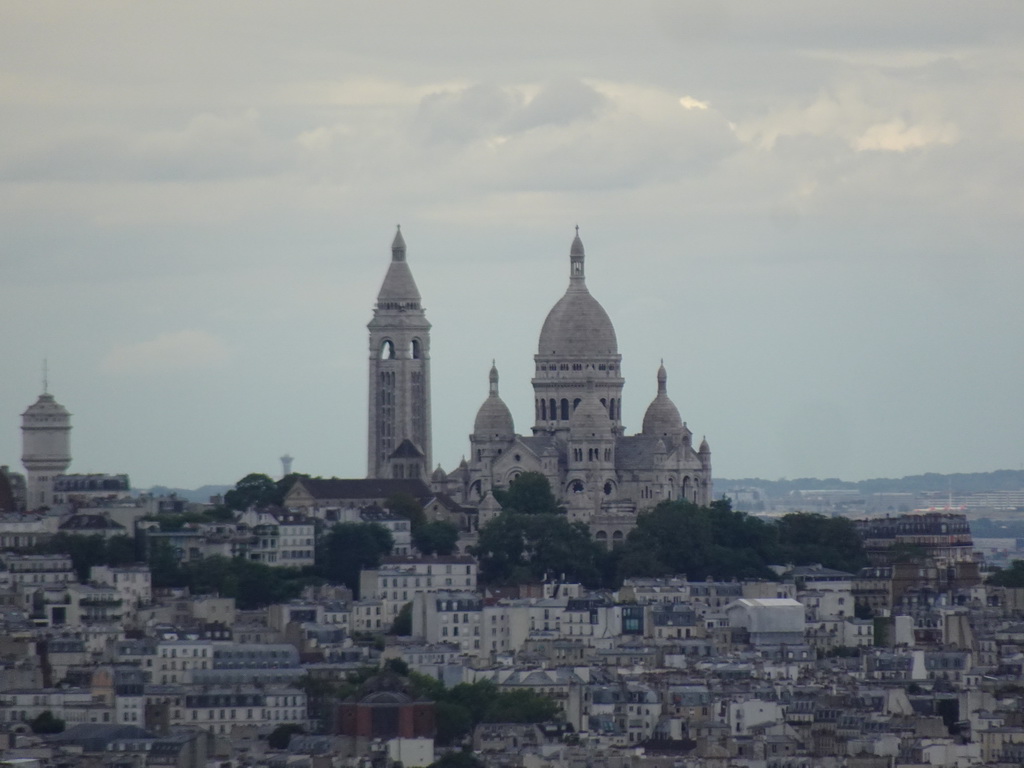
(46, 448)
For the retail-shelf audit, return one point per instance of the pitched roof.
(369, 488)
(407, 450)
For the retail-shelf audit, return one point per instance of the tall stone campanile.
(398, 444)
(45, 448)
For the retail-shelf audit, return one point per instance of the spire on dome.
(493, 378)
(662, 379)
(576, 256)
(398, 246)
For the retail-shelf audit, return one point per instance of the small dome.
(48, 406)
(704, 447)
(662, 417)
(494, 418)
(577, 324)
(439, 475)
(590, 417)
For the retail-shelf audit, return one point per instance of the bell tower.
(398, 444)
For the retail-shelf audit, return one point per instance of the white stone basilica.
(602, 476)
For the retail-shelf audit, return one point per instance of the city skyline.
(814, 220)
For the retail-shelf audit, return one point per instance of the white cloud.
(187, 350)
(897, 136)
(688, 102)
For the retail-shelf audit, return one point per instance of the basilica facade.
(601, 475)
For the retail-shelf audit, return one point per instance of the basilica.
(601, 475)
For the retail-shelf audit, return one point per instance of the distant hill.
(973, 482)
(199, 495)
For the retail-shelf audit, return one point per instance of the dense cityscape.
(566, 597)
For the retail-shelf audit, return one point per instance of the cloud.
(207, 147)
(689, 102)
(188, 350)
(897, 136)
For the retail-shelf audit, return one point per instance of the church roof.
(636, 451)
(590, 419)
(662, 417)
(399, 286)
(407, 450)
(539, 444)
(369, 488)
(577, 325)
(494, 419)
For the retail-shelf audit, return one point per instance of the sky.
(812, 212)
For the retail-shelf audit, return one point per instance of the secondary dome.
(46, 406)
(577, 325)
(662, 417)
(494, 418)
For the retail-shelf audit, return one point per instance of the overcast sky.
(812, 211)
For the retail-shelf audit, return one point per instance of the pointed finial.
(493, 378)
(46, 377)
(576, 256)
(398, 245)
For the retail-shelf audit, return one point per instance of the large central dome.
(577, 326)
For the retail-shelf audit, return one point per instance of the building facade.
(603, 476)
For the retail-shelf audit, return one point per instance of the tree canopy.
(408, 507)
(253, 585)
(516, 547)
(87, 551)
(463, 707)
(716, 541)
(1009, 577)
(436, 538)
(530, 493)
(349, 547)
(253, 490)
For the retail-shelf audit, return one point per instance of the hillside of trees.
(932, 482)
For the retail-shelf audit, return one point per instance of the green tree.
(165, 566)
(120, 550)
(402, 625)
(680, 537)
(1008, 577)
(253, 490)
(521, 706)
(349, 547)
(253, 585)
(397, 667)
(46, 722)
(515, 548)
(280, 736)
(438, 537)
(530, 493)
(453, 722)
(806, 538)
(408, 507)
